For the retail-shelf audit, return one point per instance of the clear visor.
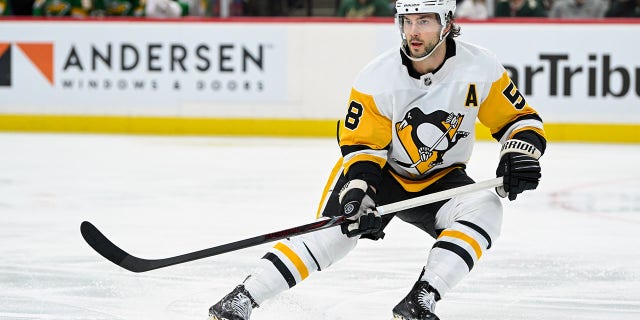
(412, 23)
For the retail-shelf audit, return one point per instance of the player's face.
(422, 32)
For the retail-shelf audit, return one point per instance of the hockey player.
(409, 131)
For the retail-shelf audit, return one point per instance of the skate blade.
(399, 317)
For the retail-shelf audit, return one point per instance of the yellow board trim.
(459, 235)
(555, 132)
(581, 132)
(168, 125)
(302, 268)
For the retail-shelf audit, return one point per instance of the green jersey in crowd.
(520, 8)
(5, 8)
(62, 8)
(365, 8)
(121, 8)
(84, 8)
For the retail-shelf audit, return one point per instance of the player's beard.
(425, 50)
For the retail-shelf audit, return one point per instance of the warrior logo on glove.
(349, 207)
(356, 200)
(519, 167)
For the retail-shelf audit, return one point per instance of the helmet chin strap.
(442, 37)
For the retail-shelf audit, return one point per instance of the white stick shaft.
(438, 196)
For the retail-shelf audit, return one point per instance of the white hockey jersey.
(424, 125)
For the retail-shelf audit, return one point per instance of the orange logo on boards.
(39, 53)
(3, 48)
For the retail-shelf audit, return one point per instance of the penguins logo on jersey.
(427, 137)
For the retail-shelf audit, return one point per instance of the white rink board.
(561, 70)
(147, 68)
(296, 70)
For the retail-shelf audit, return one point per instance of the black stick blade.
(102, 245)
(108, 249)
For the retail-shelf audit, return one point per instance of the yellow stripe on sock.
(297, 262)
(459, 235)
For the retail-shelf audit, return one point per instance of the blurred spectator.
(624, 8)
(392, 6)
(199, 8)
(364, 8)
(578, 9)
(236, 8)
(20, 7)
(62, 8)
(5, 8)
(119, 8)
(266, 7)
(473, 9)
(174, 8)
(520, 8)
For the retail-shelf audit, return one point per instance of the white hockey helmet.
(444, 8)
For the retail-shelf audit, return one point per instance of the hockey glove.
(519, 168)
(358, 206)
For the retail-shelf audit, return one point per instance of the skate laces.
(426, 299)
(240, 305)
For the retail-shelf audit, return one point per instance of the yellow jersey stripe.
(364, 157)
(496, 111)
(364, 124)
(419, 185)
(333, 179)
(534, 129)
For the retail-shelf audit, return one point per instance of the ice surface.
(569, 250)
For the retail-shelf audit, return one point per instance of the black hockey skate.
(236, 305)
(419, 304)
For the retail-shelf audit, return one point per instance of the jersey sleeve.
(506, 112)
(365, 133)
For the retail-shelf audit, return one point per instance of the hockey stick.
(113, 253)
